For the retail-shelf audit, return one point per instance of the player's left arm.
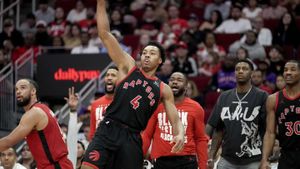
(27, 123)
(201, 139)
(178, 130)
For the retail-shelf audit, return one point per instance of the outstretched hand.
(264, 165)
(72, 100)
(179, 143)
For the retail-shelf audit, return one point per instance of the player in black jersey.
(117, 142)
(283, 112)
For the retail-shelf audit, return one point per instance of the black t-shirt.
(135, 100)
(243, 125)
(288, 121)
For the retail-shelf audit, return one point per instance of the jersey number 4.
(135, 102)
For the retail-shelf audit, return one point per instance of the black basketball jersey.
(135, 100)
(288, 120)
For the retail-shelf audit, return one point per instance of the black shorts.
(176, 162)
(289, 159)
(114, 147)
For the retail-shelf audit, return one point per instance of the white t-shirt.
(74, 16)
(251, 14)
(234, 26)
(81, 49)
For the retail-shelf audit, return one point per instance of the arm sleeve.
(72, 138)
(147, 134)
(201, 139)
(92, 122)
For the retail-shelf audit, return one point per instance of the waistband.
(121, 125)
(176, 157)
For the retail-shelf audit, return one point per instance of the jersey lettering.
(135, 102)
(293, 128)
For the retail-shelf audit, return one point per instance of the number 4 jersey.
(136, 98)
(288, 120)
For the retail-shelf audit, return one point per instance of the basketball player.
(283, 112)
(194, 153)
(117, 142)
(99, 106)
(40, 128)
(239, 119)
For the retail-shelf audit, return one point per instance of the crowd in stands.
(203, 38)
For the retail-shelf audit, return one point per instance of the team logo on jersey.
(94, 155)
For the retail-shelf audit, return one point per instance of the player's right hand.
(72, 100)
(179, 143)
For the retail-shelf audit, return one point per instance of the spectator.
(276, 60)
(217, 5)
(165, 36)
(90, 19)
(214, 21)
(236, 24)
(280, 83)
(4, 60)
(252, 10)
(286, 31)
(117, 23)
(177, 24)
(8, 160)
(274, 10)
(264, 34)
(148, 25)
(225, 78)
(255, 50)
(242, 53)
(192, 36)
(193, 92)
(80, 153)
(58, 26)
(257, 80)
(211, 65)
(119, 37)
(160, 13)
(209, 45)
(144, 40)
(84, 47)
(270, 77)
(72, 36)
(42, 37)
(58, 45)
(77, 14)
(27, 158)
(94, 38)
(29, 24)
(10, 33)
(45, 12)
(165, 71)
(182, 62)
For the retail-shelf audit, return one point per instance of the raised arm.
(270, 134)
(178, 130)
(123, 61)
(28, 122)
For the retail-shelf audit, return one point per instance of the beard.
(107, 91)
(180, 92)
(24, 102)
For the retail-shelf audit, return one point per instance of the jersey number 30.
(135, 102)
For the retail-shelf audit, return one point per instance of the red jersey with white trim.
(159, 129)
(47, 146)
(98, 108)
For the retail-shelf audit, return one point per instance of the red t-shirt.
(160, 130)
(48, 144)
(98, 108)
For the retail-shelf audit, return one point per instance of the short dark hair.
(34, 85)
(82, 145)
(161, 50)
(294, 61)
(245, 61)
(113, 67)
